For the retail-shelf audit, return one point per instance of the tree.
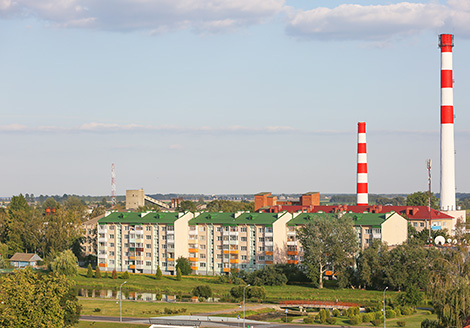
(183, 265)
(412, 296)
(256, 292)
(178, 274)
(125, 275)
(37, 300)
(204, 291)
(65, 263)
(98, 272)
(369, 265)
(158, 274)
(420, 198)
(328, 241)
(89, 273)
(267, 276)
(187, 205)
(114, 274)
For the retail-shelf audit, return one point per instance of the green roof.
(229, 218)
(359, 219)
(140, 218)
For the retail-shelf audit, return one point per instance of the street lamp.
(384, 304)
(120, 301)
(244, 304)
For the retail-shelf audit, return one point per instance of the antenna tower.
(428, 166)
(113, 186)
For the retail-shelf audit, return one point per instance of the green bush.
(158, 274)
(427, 312)
(390, 314)
(97, 310)
(406, 310)
(367, 317)
(331, 321)
(324, 314)
(401, 323)
(377, 322)
(355, 319)
(397, 312)
(288, 319)
(344, 313)
(89, 273)
(98, 272)
(309, 319)
(378, 315)
(178, 275)
(336, 313)
(351, 312)
(106, 275)
(114, 274)
(125, 275)
(203, 291)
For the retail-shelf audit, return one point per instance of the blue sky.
(221, 96)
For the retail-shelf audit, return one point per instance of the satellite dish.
(439, 240)
(454, 241)
(464, 241)
(449, 241)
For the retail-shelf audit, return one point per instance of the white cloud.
(152, 15)
(380, 22)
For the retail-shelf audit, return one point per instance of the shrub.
(344, 313)
(125, 275)
(98, 272)
(351, 312)
(309, 320)
(377, 322)
(183, 264)
(114, 274)
(106, 274)
(256, 292)
(89, 273)
(355, 319)
(158, 274)
(426, 323)
(158, 296)
(178, 274)
(65, 263)
(324, 314)
(378, 315)
(390, 314)
(204, 291)
(398, 312)
(336, 313)
(427, 312)
(317, 316)
(97, 310)
(267, 276)
(401, 323)
(331, 321)
(406, 310)
(356, 310)
(367, 317)
(288, 319)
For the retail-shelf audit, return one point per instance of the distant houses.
(22, 260)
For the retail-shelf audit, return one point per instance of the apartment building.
(222, 242)
(142, 242)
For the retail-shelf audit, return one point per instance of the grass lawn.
(147, 309)
(168, 285)
(96, 324)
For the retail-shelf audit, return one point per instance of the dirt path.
(248, 307)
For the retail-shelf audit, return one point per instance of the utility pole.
(428, 166)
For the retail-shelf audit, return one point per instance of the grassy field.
(148, 309)
(97, 324)
(168, 285)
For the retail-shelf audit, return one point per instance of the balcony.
(268, 243)
(234, 251)
(194, 268)
(131, 257)
(292, 252)
(233, 260)
(193, 259)
(292, 261)
(103, 256)
(225, 251)
(193, 250)
(131, 249)
(132, 266)
(291, 243)
(268, 253)
(268, 234)
(102, 265)
(225, 270)
(139, 249)
(170, 259)
(170, 232)
(268, 262)
(233, 233)
(102, 239)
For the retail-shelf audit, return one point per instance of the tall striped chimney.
(446, 42)
(362, 184)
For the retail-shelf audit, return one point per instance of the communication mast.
(113, 186)
(428, 166)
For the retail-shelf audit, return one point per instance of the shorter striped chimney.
(362, 183)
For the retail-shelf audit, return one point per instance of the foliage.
(401, 323)
(204, 291)
(309, 319)
(183, 265)
(328, 242)
(422, 237)
(324, 314)
(412, 296)
(396, 201)
(355, 319)
(331, 321)
(390, 314)
(377, 322)
(421, 198)
(187, 205)
(89, 273)
(229, 206)
(178, 274)
(256, 292)
(426, 323)
(65, 263)
(336, 313)
(98, 272)
(37, 300)
(293, 272)
(159, 274)
(125, 275)
(114, 274)
(269, 275)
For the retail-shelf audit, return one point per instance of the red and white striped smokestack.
(446, 42)
(362, 184)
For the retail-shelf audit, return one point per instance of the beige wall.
(280, 237)
(134, 199)
(458, 216)
(181, 235)
(394, 230)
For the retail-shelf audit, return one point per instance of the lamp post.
(120, 301)
(384, 304)
(244, 304)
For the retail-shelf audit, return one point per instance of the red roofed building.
(265, 200)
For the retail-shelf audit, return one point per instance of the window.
(111, 236)
(415, 224)
(269, 239)
(261, 239)
(163, 228)
(148, 237)
(126, 228)
(243, 229)
(269, 229)
(421, 224)
(126, 236)
(243, 248)
(139, 262)
(202, 237)
(148, 263)
(148, 228)
(111, 253)
(367, 241)
(443, 223)
(219, 229)
(148, 254)
(126, 244)
(111, 262)
(244, 257)
(219, 247)
(219, 238)
(164, 246)
(219, 256)
(111, 244)
(202, 256)
(148, 245)
(260, 230)
(163, 237)
(202, 264)
(126, 254)
(243, 266)
(202, 246)
(261, 249)
(202, 228)
(219, 265)
(368, 231)
(226, 256)
(111, 227)
(243, 238)
(261, 258)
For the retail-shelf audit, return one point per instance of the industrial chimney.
(362, 185)
(446, 42)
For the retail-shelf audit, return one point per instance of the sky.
(222, 97)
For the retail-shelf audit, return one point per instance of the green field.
(147, 309)
(168, 285)
(97, 324)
